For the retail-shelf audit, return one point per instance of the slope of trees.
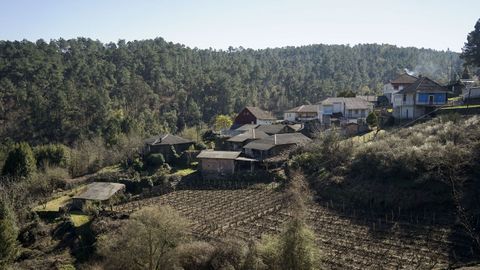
(64, 90)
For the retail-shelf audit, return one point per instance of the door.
(430, 99)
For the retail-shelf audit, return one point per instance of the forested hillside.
(69, 89)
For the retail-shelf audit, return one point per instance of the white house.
(400, 82)
(421, 97)
(349, 109)
(301, 113)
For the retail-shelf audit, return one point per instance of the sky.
(440, 25)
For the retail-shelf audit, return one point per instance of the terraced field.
(346, 242)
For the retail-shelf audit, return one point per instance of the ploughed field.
(344, 241)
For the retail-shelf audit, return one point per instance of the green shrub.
(200, 146)
(51, 154)
(154, 160)
(20, 161)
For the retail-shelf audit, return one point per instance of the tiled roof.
(278, 139)
(404, 78)
(424, 84)
(350, 102)
(100, 191)
(368, 98)
(166, 139)
(210, 154)
(305, 108)
(261, 114)
(274, 129)
(248, 135)
(247, 127)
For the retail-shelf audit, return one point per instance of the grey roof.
(261, 114)
(248, 135)
(305, 108)
(278, 139)
(166, 139)
(368, 98)
(296, 127)
(350, 102)
(424, 84)
(210, 154)
(404, 78)
(247, 127)
(274, 129)
(100, 191)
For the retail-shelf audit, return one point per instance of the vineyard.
(346, 242)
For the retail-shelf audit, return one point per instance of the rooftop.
(211, 154)
(100, 191)
(404, 78)
(274, 129)
(305, 108)
(424, 84)
(166, 139)
(261, 114)
(248, 135)
(247, 127)
(350, 102)
(278, 139)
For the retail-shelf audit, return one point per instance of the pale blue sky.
(252, 24)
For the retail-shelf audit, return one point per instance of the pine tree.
(8, 234)
(471, 50)
(20, 161)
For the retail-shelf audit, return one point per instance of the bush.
(154, 160)
(51, 154)
(372, 119)
(8, 235)
(20, 161)
(200, 146)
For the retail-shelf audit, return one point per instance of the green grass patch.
(79, 219)
(461, 107)
(185, 172)
(59, 200)
(455, 98)
(111, 169)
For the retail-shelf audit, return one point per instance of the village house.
(237, 142)
(168, 145)
(276, 129)
(371, 99)
(273, 145)
(301, 113)
(400, 82)
(351, 109)
(421, 97)
(222, 164)
(253, 115)
(471, 95)
(102, 193)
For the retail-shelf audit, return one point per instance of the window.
(404, 98)
(395, 87)
(362, 113)
(356, 111)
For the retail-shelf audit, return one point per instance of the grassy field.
(79, 219)
(59, 200)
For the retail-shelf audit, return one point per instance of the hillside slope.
(67, 89)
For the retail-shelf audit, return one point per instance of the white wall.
(289, 116)
(264, 122)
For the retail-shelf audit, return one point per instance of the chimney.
(253, 131)
(275, 139)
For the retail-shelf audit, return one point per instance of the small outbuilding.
(98, 192)
(221, 164)
(168, 145)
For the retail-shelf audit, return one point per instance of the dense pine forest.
(66, 90)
